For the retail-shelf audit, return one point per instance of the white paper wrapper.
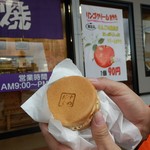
(124, 132)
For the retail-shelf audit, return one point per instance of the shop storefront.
(28, 58)
(33, 40)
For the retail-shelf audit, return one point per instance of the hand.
(101, 135)
(50, 140)
(131, 105)
(99, 130)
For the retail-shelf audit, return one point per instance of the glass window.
(128, 34)
(146, 37)
(27, 59)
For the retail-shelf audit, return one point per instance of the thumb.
(100, 133)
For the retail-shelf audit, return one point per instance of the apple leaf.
(94, 47)
(101, 40)
(87, 44)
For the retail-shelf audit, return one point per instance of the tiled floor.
(28, 142)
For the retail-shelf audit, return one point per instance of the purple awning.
(31, 19)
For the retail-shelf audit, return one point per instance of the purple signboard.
(23, 81)
(31, 19)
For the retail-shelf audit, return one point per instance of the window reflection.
(127, 17)
(146, 37)
(31, 55)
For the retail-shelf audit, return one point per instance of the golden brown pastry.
(73, 100)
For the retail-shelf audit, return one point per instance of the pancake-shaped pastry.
(73, 101)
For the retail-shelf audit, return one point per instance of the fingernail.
(93, 79)
(98, 118)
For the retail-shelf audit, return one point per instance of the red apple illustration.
(104, 56)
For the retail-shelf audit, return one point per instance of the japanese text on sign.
(16, 15)
(16, 82)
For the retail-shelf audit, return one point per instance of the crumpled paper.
(124, 132)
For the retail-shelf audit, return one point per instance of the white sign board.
(103, 42)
